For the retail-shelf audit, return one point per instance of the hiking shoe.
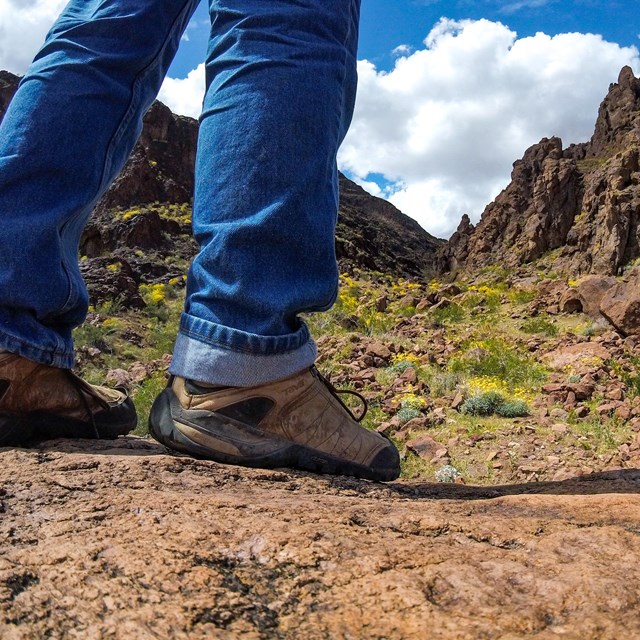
(42, 402)
(299, 422)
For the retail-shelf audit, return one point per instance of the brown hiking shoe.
(298, 422)
(40, 402)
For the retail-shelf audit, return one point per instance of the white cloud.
(402, 50)
(184, 95)
(23, 26)
(525, 4)
(445, 125)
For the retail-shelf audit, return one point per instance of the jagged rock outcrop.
(371, 233)
(8, 84)
(583, 202)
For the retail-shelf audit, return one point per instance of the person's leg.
(281, 84)
(66, 134)
(280, 91)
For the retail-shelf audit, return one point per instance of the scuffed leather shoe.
(298, 422)
(40, 402)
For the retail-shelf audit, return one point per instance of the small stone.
(425, 447)
(378, 350)
(119, 378)
(457, 401)
(615, 394)
(623, 412)
(604, 409)
(381, 304)
(582, 412)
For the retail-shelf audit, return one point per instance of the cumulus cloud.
(445, 125)
(184, 95)
(23, 26)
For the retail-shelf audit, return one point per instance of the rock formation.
(583, 202)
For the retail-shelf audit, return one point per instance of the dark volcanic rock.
(373, 234)
(160, 168)
(583, 201)
(111, 279)
(8, 84)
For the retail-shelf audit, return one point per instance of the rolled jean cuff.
(244, 360)
(60, 356)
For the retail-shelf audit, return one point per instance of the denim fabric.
(280, 91)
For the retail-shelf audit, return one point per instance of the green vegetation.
(472, 353)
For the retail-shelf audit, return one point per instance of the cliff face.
(583, 202)
(371, 233)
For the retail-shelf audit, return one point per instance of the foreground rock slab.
(120, 540)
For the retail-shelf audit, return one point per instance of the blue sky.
(386, 24)
(450, 93)
(407, 21)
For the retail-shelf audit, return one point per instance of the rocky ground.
(120, 540)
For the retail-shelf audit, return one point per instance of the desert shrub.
(540, 325)
(400, 362)
(484, 404)
(446, 315)
(513, 409)
(408, 413)
(492, 402)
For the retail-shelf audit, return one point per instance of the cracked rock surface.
(121, 540)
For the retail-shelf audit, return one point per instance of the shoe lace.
(82, 388)
(336, 393)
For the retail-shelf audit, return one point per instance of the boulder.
(426, 447)
(620, 305)
(591, 289)
(570, 302)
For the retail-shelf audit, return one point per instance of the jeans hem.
(59, 359)
(205, 362)
(230, 339)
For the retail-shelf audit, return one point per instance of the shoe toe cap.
(386, 463)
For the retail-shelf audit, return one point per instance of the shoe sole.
(19, 429)
(212, 436)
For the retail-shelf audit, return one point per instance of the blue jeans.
(281, 79)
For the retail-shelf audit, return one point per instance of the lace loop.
(337, 392)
